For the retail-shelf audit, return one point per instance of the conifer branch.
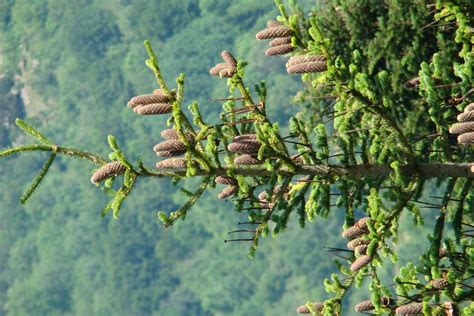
(36, 182)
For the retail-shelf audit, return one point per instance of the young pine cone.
(225, 180)
(231, 189)
(439, 283)
(279, 50)
(153, 109)
(280, 41)
(466, 138)
(223, 70)
(273, 23)
(469, 107)
(246, 160)
(147, 99)
(172, 134)
(168, 153)
(170, 145)
(361, 250)
(357, 242)
(229, 59)
(360, 262)
(274, 32)
(354, 232)
(362, 223)
(172, 163)
(466, 116)
(461, 128)
(244, 147)
(244, 137)
(409, 309)
(303, 309)
(108, 170)
(412, 83)
(303, 59)
(316, 66)
(364, 306)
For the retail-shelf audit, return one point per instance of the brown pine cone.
(364, 306)
(466, 116)
(168, 153)
(439, 283)
(354, 232)
(229, 58)
(232, 189)
(357, 242)
(147, 99)
(108, 170)
(244, 137)
(218, 68)
(225, 180)
(274, 32)
(246, 160)
(244, 147)
(279, 50)
(153, 109)
(362, 223)
(302, 59)
(273, 23)
(170, 145)
(466, 138)
(461, 128)
(303, 309)
(171, 133)
(469, 107)
(317, 66)
(412, 83)
(409, 309)
(361, 250)
(280, 41)
(227, 73)
(172, 163)
(360, 262)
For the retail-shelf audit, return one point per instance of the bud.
(461, 128)
(170, 145)
(232, 189)
(225, 180)
(274, 32)
(409, 309)
(244, 147)
(172, 163)
(360, 262)
(229, 58)
(280, 41)
(246, 160)
(108, 170)
(279, 50)
(153, 109)
(466, 138)
(466, 116)
(317, 66)
(303, 309)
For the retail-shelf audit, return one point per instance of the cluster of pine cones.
(172, 146)
(465, 127)
(357, 243)
(151, 104)
(281, 44)
(226, 69)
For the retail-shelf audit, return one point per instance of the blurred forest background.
(69, 68)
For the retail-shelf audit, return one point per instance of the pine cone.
(225, 180)
(172, 163)
(279, 50)
(302, 59)
(246, 160)
(409, 309)
(364, 306)
(354, 232)
(171, 133)
(439, 283)
(168, 153)
(232, 189)
(362, 223)
(469, 107)
(227, 73)
(170, 145)
(412, 83)
(108, 170)
(317, 66)
(244, 147)
(244, 137)
(360, 250)
(360, 262)
(274, 32)
(153, 109)
(466, 116)
(222, 70)
(147, 99)
(280, 41)
(461, 128)
(357, 242)
(229, 59)
(303, 309)
(273, 23)
(466, 138)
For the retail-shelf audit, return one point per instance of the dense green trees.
(62, 264)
